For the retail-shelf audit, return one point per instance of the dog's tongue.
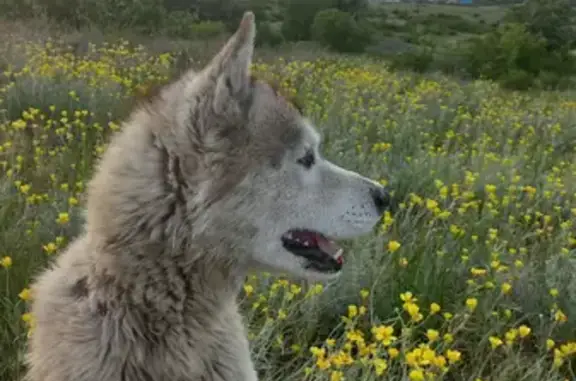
(327, 246)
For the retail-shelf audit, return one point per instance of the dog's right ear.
(231, 66)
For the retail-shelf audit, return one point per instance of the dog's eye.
(307, 160)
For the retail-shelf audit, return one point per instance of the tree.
(339, 31)
(299, 16)
(554, 20)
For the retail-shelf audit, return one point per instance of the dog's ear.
(232, 64)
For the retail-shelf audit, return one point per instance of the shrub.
(143, 15)
(339, 31)
(207, 29)
(418, 61)
(178, 24)
(509, 54)
(268, 35)
(299, 17)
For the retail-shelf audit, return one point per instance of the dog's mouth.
(321, 253)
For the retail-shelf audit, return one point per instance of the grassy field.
(473, 279)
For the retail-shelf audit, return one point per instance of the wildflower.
(506, 287)
(337, 376)
(524, 331)
(559, 316)
(453, 355)
(384, 334)
(416, 375)
(393, 246)
(510, 336)
(25, 294)
(477, 271)
(434, 308)
(495, 342)
(27, 318)
(432, 335)
(393, 353)
(352, 311)
(248, 289)
(6, 262)
(550, 344)
(471, 304)
(63, 218)
(50, 248)
(380, 366)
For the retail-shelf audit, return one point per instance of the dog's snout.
(381, 198)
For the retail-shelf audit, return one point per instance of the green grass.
(486, 182)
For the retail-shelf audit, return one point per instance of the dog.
(216, 176)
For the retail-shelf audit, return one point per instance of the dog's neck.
(165, 287)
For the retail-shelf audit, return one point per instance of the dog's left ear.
(232, 64)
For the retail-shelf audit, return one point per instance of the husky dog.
(216, 176)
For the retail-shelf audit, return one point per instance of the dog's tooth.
(306, 243)
(339, 253)
(289, 236)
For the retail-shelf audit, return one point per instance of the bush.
(207, 29)
(339, 31)
(299, 17)
(142, 15)
(510, 55)
(418, 61)
(178, 24)
(268, 35)
(517, 79)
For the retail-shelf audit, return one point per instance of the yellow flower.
(393, 246)
(352, 311)
(28, 319)
(384, 334)
(506, 287)
(524, 331)
(6, 262)
(380, 366)
(393, 353)
(495, 342)
(453, 356)
(416, 375)
(510, 336)
(432, 335)
(337, 376)
(434, 308)
(553, 292)
(550, 344)
(248, 289)
(25, 294)
(63, 218)
(50, 248)
(560, 317)
(477, 271)
(471, 303)
(323, 363)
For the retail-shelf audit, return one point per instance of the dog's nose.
(381, 198)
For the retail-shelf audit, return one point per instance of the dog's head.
(263, 182)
